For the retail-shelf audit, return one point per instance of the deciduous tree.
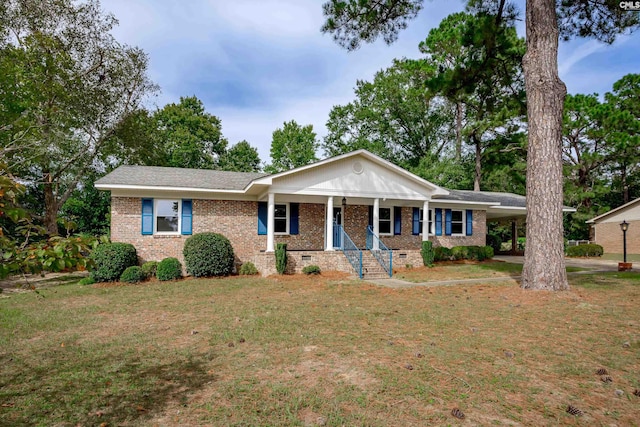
(292, 146)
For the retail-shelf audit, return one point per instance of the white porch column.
(376, 222)
(329, 224)
(425, 221)
(271, 207)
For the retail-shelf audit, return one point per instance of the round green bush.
(589, 250)
(311, 269)
(149, 268)
(133, 274)
(441, 253)
(208, 254)
(111, 259)
(169, 269)
(248, 269)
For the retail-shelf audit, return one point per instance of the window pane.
(456, 216)
(280, 225)
(167, 215)
(456, 228)
(385, 227)
(421, 215)
(280, 211)
(385, 213)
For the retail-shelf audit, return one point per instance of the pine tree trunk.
(544, 266)
(459, 131)
(478, 173)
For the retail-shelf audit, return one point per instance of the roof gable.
(628, 211)
(356, 174)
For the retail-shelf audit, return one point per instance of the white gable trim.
(433, 189)
(612, 211)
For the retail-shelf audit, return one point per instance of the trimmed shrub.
(427, 254)
(589, 250)
(111, 259)
(488, 252)
(441, 254)
(281, 258)
(248, 269)
(311, 269)
(459, 252)
(133, 274)
(494, 241)
(149, 268)
(169, 269)
(86, 281)
(208, 254)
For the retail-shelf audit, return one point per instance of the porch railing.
(380, 251)
(350, 250)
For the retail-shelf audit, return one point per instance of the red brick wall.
(237, 220)
(609, 236)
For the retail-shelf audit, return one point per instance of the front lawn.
(455, 270)
(320, 351)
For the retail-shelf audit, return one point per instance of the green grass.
(618, 257)
(310, 350)
(470, 270)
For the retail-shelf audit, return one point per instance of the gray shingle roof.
(504, 199)
(156, 176)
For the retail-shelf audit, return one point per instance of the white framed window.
(430, 225)
(166, 216)
(385, 221)
(281, 218)
(457, 223)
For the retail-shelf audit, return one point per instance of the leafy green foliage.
(72, 88)
(427, 254)
(311, 269)
(149, 268)
(111, 259)
(169, 269)
(208, 254)
(89, 209)
(588, 250)
(494, 241)
(133, 274)
(248, 269)
(440, 253)
(292, 146)
(281, 258)
(189, 136)
(242, 157)
(30, 250)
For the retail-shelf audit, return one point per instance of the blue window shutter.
(397, 220)
(447, 222)
(293, 218)
(187, 216)
(147, 216)
(371, 216)
(469, 223)
(415, 229)
(438, 222)
(262, 218)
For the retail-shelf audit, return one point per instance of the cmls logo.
(630, 5)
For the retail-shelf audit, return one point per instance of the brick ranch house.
(355, 212)
(607, 233)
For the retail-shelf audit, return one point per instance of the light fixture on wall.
(344, 203)
(624, 226)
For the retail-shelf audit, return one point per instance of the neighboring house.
(328, 213)
(607, 232)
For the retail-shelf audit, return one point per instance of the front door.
(337, 220)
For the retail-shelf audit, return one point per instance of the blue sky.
(258, 63)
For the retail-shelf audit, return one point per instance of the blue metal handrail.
(350, 250)
(380, 251)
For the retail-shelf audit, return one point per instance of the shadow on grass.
(112, 389)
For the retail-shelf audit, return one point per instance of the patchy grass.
(299, 350)
(455, 270)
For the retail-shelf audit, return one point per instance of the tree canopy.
(292, 146)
